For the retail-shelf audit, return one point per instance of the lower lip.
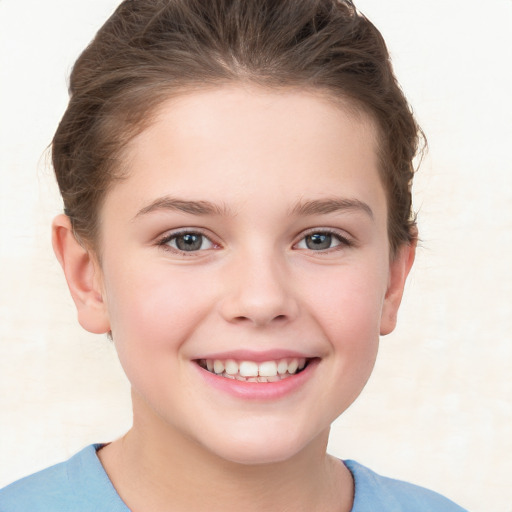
(260, 390)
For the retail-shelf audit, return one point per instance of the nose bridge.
(258, 288)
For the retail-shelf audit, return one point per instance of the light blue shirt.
(81, 485)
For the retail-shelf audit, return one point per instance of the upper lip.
(256, 356)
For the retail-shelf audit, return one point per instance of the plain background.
(438, 410)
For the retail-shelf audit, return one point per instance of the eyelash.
(164, 241)
(344, 242)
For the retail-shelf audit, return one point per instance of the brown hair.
(151, 49)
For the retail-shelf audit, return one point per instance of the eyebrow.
(331, 205)
(181, 205)
(313, 207)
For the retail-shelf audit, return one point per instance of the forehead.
(233, 144)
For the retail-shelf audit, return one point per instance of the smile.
(251, 371)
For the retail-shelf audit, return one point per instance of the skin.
(254, 285)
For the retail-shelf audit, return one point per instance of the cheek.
(348, 303)
(154, 310)
(152, 315)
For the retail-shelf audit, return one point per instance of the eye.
(188, 241)
(322, 241)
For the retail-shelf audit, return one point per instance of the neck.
(156, 469)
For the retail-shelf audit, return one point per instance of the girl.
(236, 181)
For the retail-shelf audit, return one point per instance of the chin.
(256, 455)
(257, 449)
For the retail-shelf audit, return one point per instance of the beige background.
(438, 410)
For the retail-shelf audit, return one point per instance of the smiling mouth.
(251, 371)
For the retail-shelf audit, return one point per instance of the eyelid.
(343, 237)
(163, 240)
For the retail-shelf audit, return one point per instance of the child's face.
(280, 252)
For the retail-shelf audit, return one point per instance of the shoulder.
(375, 493)
(79, 484)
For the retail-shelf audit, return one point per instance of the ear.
(83, 275)
(399, 268)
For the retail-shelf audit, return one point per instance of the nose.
(258, 291)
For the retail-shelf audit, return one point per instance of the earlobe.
(399, 269)
(83, 276)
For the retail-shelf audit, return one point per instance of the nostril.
(258, 307)
(241, 318)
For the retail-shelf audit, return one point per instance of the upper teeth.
(253, 369)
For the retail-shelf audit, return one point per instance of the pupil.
(318, 241)
(189, 242)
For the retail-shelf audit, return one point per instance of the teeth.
(230, 366)
(268, 369)
(250, 371)
(218, 366)
(282, 367)
(293, 366)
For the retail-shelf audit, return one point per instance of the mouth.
(252, 371)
